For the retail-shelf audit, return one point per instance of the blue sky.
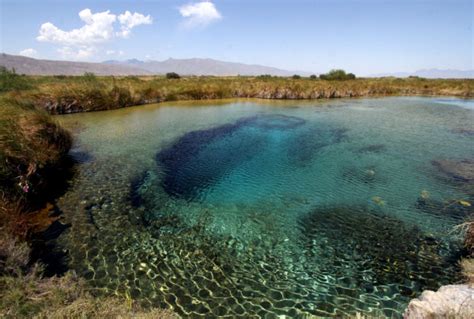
(364, 37)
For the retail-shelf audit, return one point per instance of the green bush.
(89, 77)
(172, 75)
(10, 80)
(337, 75)
(296, 76)
(313, 76)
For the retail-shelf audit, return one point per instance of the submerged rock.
(462, 171)
(452, 301)
(464, 131)
(375, 148)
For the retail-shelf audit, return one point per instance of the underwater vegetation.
(381, 248)
(312, 141)
(461, 171)
(461, 174)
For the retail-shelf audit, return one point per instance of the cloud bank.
(98, 28)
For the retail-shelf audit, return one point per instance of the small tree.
(313, 77)
(296, 76)
(172, 75)
(338, 75)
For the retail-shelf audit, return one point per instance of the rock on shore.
(451, 301)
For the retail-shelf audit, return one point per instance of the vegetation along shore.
(72, 94)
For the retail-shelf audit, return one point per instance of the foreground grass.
(67, 94)
(26, 293)
(33, 149)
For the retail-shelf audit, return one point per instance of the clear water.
(258, 208)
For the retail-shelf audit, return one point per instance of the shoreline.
(177, 103)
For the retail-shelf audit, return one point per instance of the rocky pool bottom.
(260, 210)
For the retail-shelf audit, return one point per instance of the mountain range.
(202, 67)
(30, 66)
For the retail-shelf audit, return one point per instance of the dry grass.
(33, 148)
(32, 144)
(467, 266)
(77, 94)
(31, 296)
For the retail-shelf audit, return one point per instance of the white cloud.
(69, 53)
(98, 28)
(129, 21)
(200, 13)
(31, 53)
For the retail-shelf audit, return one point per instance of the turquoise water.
(258, 208)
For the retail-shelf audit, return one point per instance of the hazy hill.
(433, 74)
(203, 67)
(25, 65)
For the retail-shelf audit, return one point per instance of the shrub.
(121, 96)
(313, 76)
(296, 76)
(89, 77)
(172, 75)
(337, 75)
(10, 80)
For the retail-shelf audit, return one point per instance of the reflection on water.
(262, 209)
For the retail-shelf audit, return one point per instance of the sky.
(361, 36)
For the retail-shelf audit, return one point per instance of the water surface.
(258, 208)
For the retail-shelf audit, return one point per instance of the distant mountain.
(24, 65)
(203, 67)
(432, 74)
(30, 66)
